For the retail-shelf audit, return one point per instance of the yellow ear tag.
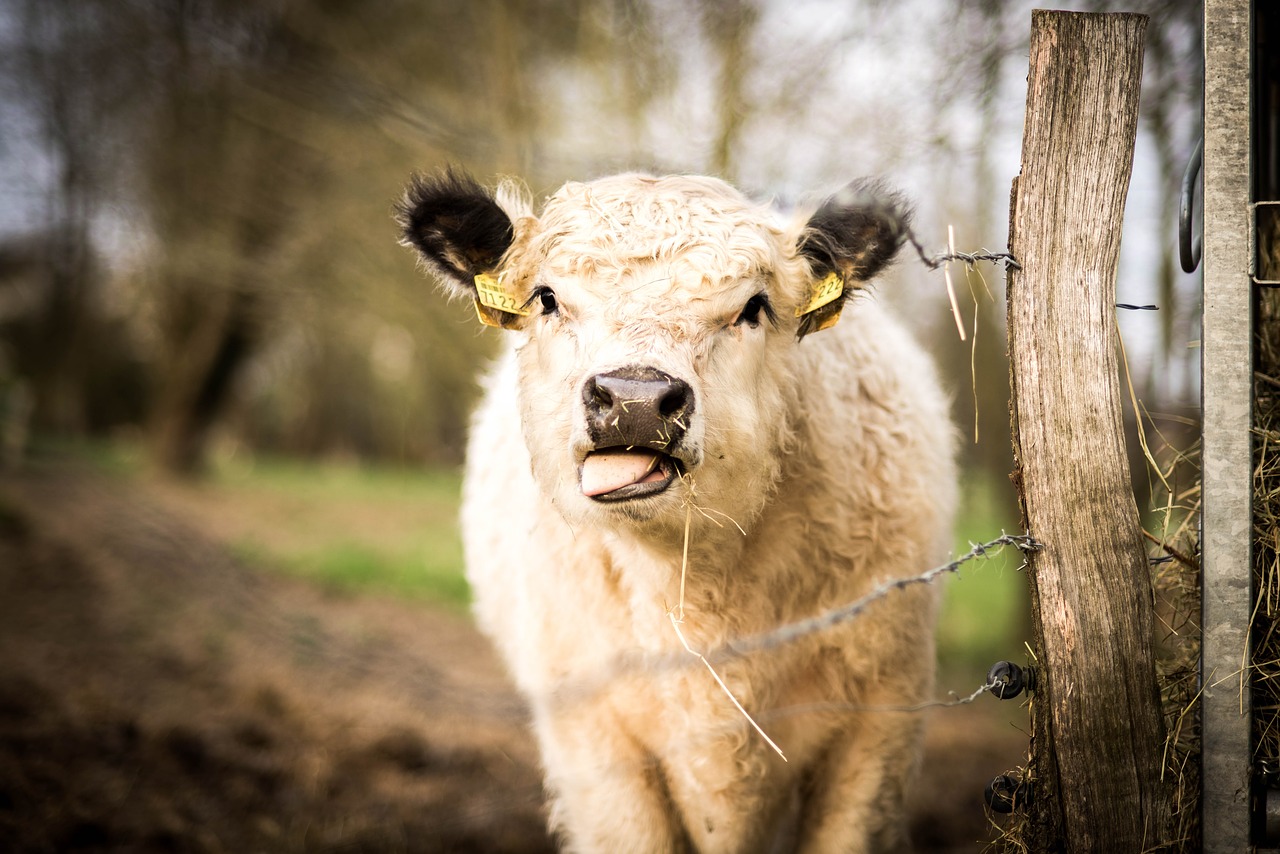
(487, 316)
(824, 293)
(492, 301)
(827, 317)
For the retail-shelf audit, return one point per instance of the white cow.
(659, 377)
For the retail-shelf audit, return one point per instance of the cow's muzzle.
(636, 417)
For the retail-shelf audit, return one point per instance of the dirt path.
(156, 695)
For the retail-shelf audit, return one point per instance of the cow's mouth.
(623, 474)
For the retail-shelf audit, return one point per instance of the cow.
(680, 446)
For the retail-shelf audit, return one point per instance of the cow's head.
(657, 323)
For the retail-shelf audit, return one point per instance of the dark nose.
(637, 406)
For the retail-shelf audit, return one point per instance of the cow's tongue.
(605, 471)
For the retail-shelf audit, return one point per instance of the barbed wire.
(829, 619)
(817, 708)
(577, 689)
(933, 262)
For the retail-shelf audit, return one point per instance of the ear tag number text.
(824, 303)
(492, 302)
(824, 293)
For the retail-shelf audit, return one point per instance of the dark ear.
(455, 225)
(856, 232)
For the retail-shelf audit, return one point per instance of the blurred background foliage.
(197, 255)
(196, 246)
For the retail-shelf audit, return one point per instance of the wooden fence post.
(1098, 732)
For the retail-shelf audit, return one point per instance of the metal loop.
(1188, 244)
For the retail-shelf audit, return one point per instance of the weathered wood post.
(1098, 731)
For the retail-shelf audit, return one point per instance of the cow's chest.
(797, 699)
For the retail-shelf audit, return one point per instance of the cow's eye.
(547, 299)
(757, 305)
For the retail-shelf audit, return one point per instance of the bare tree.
(222, 174)
(64, 76)
(730, 26)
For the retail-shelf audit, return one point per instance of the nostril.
(674, 400)
(600, 395)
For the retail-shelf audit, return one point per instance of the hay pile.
(1175, 580)
(1264, 630)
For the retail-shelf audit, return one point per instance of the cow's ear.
(456, 227)
(852, 236)
(856, 232)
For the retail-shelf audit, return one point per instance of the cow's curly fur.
(832, 453)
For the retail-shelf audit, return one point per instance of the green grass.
(349, 527)
(122, 459)
(432, 572)
(355, 529)
(986, 605)
(333, 480)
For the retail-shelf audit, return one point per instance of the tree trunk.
(730, 26)
(193, 410)
(1098, 731)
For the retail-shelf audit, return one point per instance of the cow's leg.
(607, 792)
(730, 795)
(856, 801)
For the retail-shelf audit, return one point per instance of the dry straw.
(1264, 626)
(676, 614)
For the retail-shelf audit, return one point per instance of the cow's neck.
(735, 583)
(648, 574)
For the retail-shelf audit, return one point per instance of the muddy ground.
(156, 694)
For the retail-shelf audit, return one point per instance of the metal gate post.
(1227, 363)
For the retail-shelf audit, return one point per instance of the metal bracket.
(1253, 243)
(1188, 246)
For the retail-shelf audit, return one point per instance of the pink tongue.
(605, 471)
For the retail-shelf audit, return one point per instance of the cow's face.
(657, 321)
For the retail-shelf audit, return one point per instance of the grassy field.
(986, 605)
(374, 530)
(350, 528)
